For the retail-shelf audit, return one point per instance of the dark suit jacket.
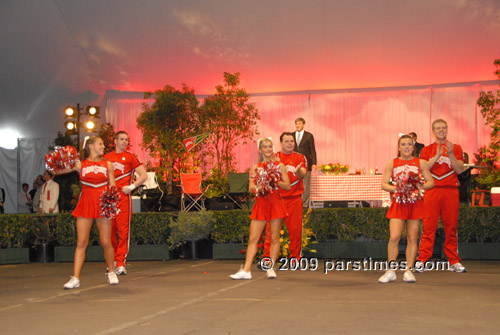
(418, 149)
(307, 148)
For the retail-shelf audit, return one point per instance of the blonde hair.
(264, 140)
(439, 121)
(261, 143)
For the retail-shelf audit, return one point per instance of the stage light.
(92, 111)
(70, 125)
(90, 125)
(69, 111)
(8, 138)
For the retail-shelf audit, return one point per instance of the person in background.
(418, 146)
(2, 200)
(445, 161)
(125, 164)
(36, 192)
(304, 144)
(407, 212)
(24, 200)
(465, 179)
(50, 194)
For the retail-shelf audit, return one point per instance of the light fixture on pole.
(73, 126)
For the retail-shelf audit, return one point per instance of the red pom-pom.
(62, 158)
(409, 187)
(266, 179)
(242, 251)
(110, 199)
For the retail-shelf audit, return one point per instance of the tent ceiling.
(60, 52)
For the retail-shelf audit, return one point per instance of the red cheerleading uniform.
(270, 207)
(293, 204)
(124, 164)
(409, 211)
(442, 200)
(94, 179)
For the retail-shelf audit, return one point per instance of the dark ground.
(197, 297)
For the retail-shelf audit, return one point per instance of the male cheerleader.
(125, 164)
(445, 160)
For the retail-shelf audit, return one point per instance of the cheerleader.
(407, 205)
(95, 175)
(268, 206)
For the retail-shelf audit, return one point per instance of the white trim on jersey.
(94, 185)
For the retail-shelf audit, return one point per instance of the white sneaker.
(419, 266)
(72, 283)
(409, 277)
(457, 267)
(121, 271)
(241, 275)
(112, 278)
(387, 277)
(271, 274)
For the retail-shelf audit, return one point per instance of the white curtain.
(358, 127)
(21, 165)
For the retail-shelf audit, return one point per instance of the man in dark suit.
(418, 146)
(304, 144)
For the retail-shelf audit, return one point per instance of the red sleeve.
(426, 153)
(135, 161)
(458, 152)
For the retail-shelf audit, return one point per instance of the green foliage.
(236, 122)
(479, 224)
(66, 234)
(62, 140)
(190, 227)
(231, 226)
(219, 185)
(476, 224)
(150, 228)
(107, 133)
(13, 230)
(43, 228)
(489, 156)
(173, 117)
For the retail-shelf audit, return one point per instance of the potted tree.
(190, 227)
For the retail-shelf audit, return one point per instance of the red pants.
(444, 202)
(294, 225)
(120, 230)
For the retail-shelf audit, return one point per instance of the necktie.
(299, 138)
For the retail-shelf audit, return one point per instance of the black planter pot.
(42, 253)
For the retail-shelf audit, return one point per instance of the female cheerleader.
(95, 175)
(404, 210)
(269, 207)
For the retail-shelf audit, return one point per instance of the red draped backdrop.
(358, 127)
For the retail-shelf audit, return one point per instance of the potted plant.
(190, 227)
(43, 230)
(148, 237)
(13, 239)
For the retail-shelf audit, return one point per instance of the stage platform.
(197, 297)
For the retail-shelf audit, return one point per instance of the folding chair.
(478, 198)
(238, 187)
(192, 192)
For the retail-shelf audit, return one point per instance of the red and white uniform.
(409, 211)
(94, 179)
(293, 204)
(441, 200)
(124, 164)
(270, 207)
